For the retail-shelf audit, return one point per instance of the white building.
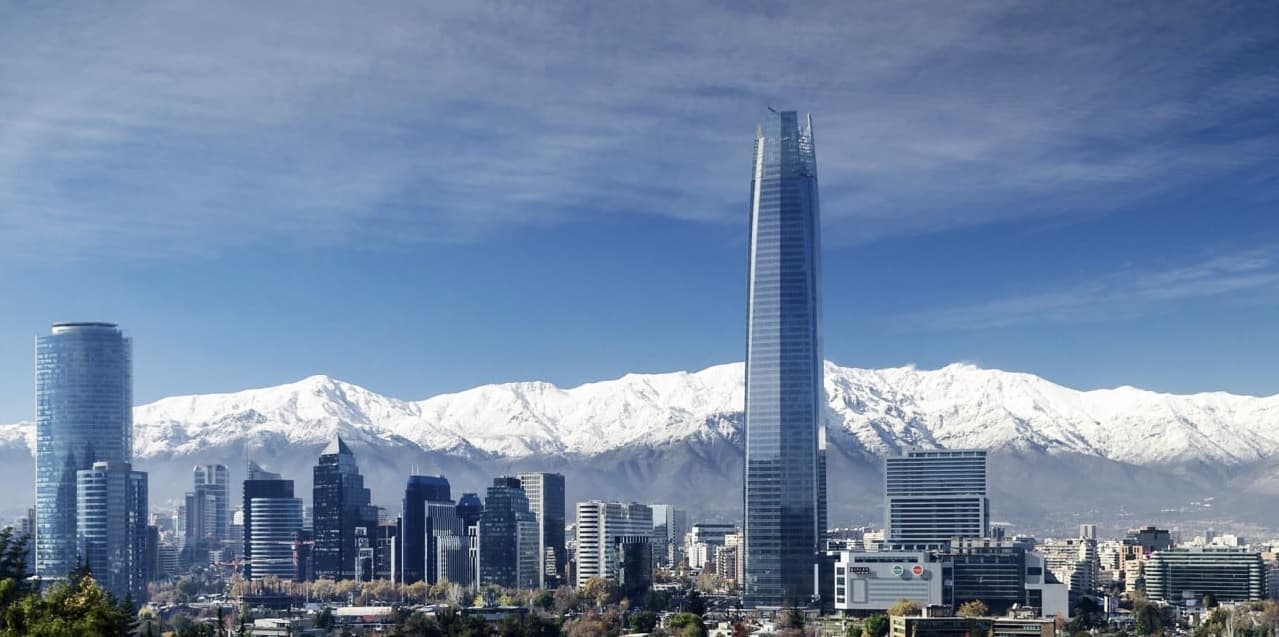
(599, 524)
(875, 581)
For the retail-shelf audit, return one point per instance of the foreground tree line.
(72, 608)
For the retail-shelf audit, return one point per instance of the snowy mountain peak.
(877, 411)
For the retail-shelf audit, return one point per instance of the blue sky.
(422, 197)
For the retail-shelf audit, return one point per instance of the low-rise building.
(873, 582)
(1228, 574)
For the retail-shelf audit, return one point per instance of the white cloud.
(180, 128)
(1124, 294)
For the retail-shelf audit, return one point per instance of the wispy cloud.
(1124, 294)
(189, 127)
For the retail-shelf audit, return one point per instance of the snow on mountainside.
(880, 411)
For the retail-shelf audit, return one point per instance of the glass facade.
(785, 474)
(935, 495)
(546, 499)
(272, 519)
(507, 537)
(341, 505)
(413, 545)
(84, 402)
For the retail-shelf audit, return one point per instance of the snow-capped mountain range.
(690, 423)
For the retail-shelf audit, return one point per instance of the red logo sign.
(917, 570)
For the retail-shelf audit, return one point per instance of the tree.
(694, 603)
(973, 608)
(602, 590)
(904, 608)
(75, 607)
(643, 621)
(793, 618)
(875, 626)
(1148, 618)
(686, 625)
(1209, 600)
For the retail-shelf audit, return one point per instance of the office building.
(901, 626)
(341, 505)
(209, 483)
(84, 415)
(935, 495)
(703, 541)
(272, 519)
(1003, 574)
(413, 545)
(111, 524)
(599, 525)
(633, 564)
(446, 540)
(670, 523)
(545, 493)
(470, 508)
(1228, 574)
(1149, 539)
(874, 581)
(386, 551)
(785, 467)
(507, 537)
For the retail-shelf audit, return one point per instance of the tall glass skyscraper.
(342, 504)
(84, 415)
(415, 556)
(785, 482)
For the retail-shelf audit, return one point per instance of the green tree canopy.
(973, 608)
(875, 626)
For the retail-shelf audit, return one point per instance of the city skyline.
(1114, 232)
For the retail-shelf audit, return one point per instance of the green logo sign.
(898, 570)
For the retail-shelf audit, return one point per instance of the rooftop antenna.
(771, 109)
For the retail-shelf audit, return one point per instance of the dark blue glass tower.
(341, 504)
(785, 481)
(84, 414)
(414, 559)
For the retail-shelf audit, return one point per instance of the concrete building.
(1003, 574)
(969, 626)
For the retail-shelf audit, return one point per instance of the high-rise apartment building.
(272, 520)
(785, 469)
(84, 415)
(599, 528)
(935, 495)
(341, 504)
(545, 493)
(420, 490)
(507, 537)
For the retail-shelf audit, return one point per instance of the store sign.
(917, 570)
(859, 570)
(898, 570)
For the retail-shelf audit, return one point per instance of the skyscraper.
(670, 523)
(272, 519)
(341, 504)
(545, 493)
(785, 473)
(111, 526)
(210, 481)
(935, 495)
(601, 527)
(84, 415)
(414, 560)
(507, 537)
